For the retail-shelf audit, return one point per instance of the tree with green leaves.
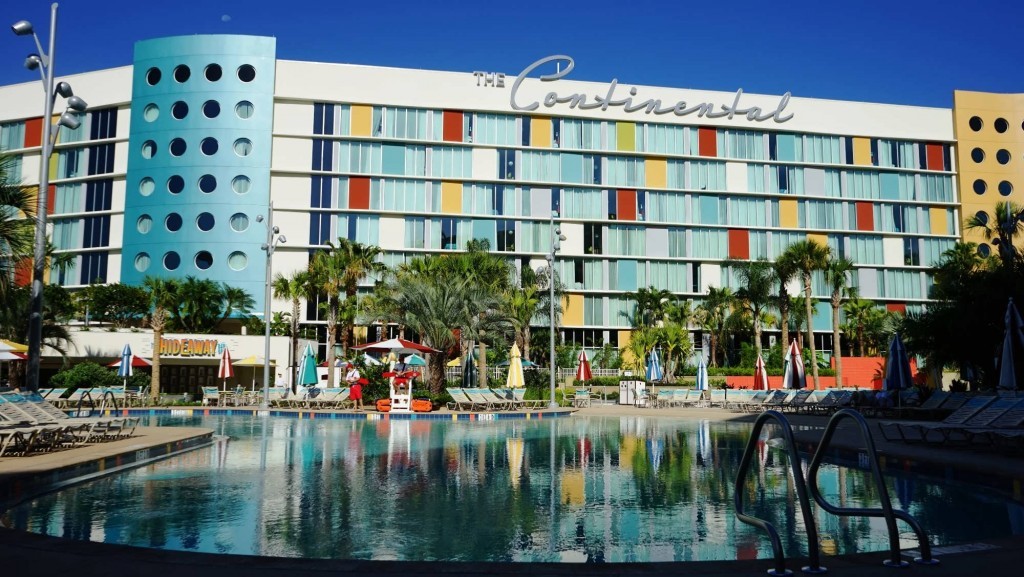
(17, 223)
(837, 279)
(712, 314)
(809, 256)
(785, 271)
(756, 291)
(1002, 228)
(651, 305)
(57, 308)
(118, 304)
(293, 289)
(163, 297)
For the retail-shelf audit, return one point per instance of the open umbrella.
(253, 361)
(654, 372)
(125, 370)
(469, 371)
(1012, 338)
(760, 375)
(307, 367)
(415, 361)
(399, 346)
(583, 372)
(897, 368)
(515, 380)
(137, 362)
(702, 375)
(225, 370)
(793, 376)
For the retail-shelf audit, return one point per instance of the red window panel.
(626, 204)
(739, 244)
(865, 216)
(359, 193)
(936, 157)
(23, 272)
(452, 123)
(707, 142)
(896, 308)
(33, 132)
(51, 198)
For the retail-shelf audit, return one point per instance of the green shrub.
(86, 375)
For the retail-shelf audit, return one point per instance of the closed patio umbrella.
(583, 372)
(515, 380)
(1013, 337)
(760, 375)
(654, 372)
(793, 376)
(897, 368)
(307, 367)
(225, 370)
(469, 371)
(702, 375)
(125, 370)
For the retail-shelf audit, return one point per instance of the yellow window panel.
(657, 172)
(626, 134)
(451, 197)
(573, 314)
(540, 132)
(862, 151)
(362, 120)
(788, 213)
(821, 239)
(938, 220)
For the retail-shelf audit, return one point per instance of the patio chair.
(480, 401)
(754, 399)
(460, 401)
(519, 395)
(102, 427)
(42, 431)
(581, 398)
(795, 402)
(716, 398)
(774, 400)
(983, 419)
(962, 415)
(210, 395)
(663, 399)
(498, 401)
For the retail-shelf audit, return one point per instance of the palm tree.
(17, 223)
(809, 256)
(713, 313)
(755, 294)
(858, 315)
(162, 296)
(837, 277)
(360, 261)
(785, 270)
(650, 306)
(675, 342)
(955, 269)
(235, 300)
(1001, 229)
(520, 306)
(294, 289)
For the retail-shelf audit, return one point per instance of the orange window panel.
(51, 197)
(936, 160)
(33, 132)
(23, 272)
(707, 142)
(359, 193)
(739, 244)
(452, 123)
(896, 308)
(625, 203)
(865, 216)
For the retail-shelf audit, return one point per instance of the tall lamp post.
(556, 243)
(43, 62)
(273, 239)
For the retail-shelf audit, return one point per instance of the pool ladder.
(809, 485)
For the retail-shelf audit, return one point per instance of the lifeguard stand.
(401, 385)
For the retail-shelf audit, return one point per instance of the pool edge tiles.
(25, 477)
(305, 414)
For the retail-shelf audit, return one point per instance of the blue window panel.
(627, 275)
(890, 184)
(556, 200)
(485, 230)
(393, 161)
(709, 210)
(641, 204)
(786, 147)
(506, 164)
(823, 316)
(318, 118)
(613, 204)
(526, 131)
(597, 170)
(104, 124)
(94, 267)
(572, 168)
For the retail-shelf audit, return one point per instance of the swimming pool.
(576, 489)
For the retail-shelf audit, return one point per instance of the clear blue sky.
(898, 51)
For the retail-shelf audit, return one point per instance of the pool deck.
(33, 554)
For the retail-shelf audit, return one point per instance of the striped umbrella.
(793, 376)
(225, 370)
(125, 370)
(760, 375)
(583, 372)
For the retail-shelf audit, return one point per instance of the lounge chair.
(460, 400)
(715, 398)
(984, 419)
(795, 402)
(751, 399)
(958, 418)
(498, 401)
(519, 395)
(86, 427)
(480, 401)
(36, 431)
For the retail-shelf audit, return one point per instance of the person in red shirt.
(352, 379)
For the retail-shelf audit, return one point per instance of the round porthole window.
(173, 222)
(153, 76)
(237, 260)
(179, 110)
(209, 146)
(980, 186)
(978, 155)
(214, 72)
(241, 184)
(171, 260)
(975, 123)
(178, 147)
(182, 73)
(1005, 188)
(146, 186)
(175, 184)
(244, 109)
(239, 222)
(204, 260)
(982, 217)
(211, 109)
(984, 250)
(243, 147)
(208, 183)
(1003, 156)
(205, 222)
(1000, 125)
(246, 73)
(151, 112)
(144, 224)
(142, 262)
(148, 149)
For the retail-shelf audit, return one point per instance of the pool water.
(573, 489)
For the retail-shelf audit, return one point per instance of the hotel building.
(181, 151)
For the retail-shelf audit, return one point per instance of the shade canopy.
(583, 372)
(415, 361)
(793, 376)
(399, 346)
(6, 345)
(9, 356)
(137, 363)
(654, 372)
(252, 361)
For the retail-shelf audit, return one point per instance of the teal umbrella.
(415, 361)
(307, 367)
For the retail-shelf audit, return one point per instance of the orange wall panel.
(707, 141)
(865, 216)
(359, 193)
(625, 203)
(452, 131)
(51, 198)
(935, 157)
(739, 244)
(33, 132)
(896, 308)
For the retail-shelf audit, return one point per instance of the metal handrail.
(78, 407)
(810, 525)
(113, 400)
(886, 511)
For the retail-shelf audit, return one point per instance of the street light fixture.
(273, 239)
(556, 243)
(43, 61)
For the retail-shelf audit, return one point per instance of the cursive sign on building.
(654, 106)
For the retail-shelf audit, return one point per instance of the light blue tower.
(199, 160)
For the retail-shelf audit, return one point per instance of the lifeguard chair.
(401, 384)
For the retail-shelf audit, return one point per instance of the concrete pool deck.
(30, 554)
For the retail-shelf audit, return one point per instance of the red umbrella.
(399, 346)
(583, 369)
(137, 362)
(225, 370)
(760, 375)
